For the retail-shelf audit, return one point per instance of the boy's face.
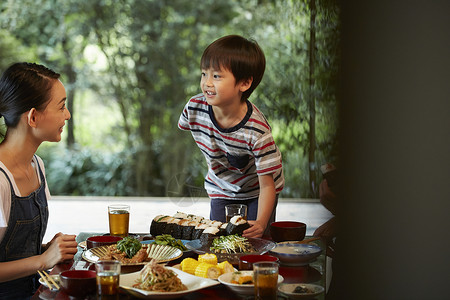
(220, 87)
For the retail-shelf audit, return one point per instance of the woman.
(32, 105)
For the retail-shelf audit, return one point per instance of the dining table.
(314, 272)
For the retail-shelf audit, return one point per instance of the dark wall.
(395, 116)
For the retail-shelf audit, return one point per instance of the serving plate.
(193, 283)
(241, 289)
(161, 253)
(261, 246)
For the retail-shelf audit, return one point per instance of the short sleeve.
(183, 122)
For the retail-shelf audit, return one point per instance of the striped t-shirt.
(235, 156)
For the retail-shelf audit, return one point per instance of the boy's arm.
(266, 201)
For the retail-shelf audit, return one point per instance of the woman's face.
(53, 118)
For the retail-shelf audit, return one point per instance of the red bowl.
(78, 283)
(101, 240)
(282, 231)
(246, 261)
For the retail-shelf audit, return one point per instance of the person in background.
(33, 108)
(244, 163)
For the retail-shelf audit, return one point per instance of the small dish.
(82, 245)
(308, 290)
(241, 289)
(55, 278)
(193, 283)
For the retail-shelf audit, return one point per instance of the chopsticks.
(48, 280)
(309, 240)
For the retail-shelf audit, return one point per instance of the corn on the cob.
(225, 267)
(189, 265)
(207, 271)
(209, 258)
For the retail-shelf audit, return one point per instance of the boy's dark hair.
(24, 86)
(244, 58)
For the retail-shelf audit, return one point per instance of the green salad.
(130, 246)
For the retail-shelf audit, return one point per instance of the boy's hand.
(255, 231)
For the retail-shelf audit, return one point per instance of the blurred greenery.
(130, 66)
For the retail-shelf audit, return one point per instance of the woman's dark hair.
(244, 58)
(22, 87)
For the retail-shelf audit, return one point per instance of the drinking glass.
(265, 280)
(119, 219)
(108, 274)
(232, 210)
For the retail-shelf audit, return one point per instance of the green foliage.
(130, 66)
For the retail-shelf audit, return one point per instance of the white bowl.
(289, 288)
(294, 254)
(241, 289)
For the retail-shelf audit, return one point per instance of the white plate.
(242, 289)
(193, 283)
(159, 252)
(288, 290)
(55, 278)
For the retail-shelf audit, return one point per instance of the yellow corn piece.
(207, 271)
(225, 267)
(209, 258)
(189, 265)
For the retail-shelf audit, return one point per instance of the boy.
(244, 164)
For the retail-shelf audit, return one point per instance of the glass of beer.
(108, 274)
(265, 278)
(232, 210)
(119, 219)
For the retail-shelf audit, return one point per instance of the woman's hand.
(61, 248)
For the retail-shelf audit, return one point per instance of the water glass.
(232, 210)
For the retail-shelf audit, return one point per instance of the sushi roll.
(180, 215)
(158, 224)
(223, 229)
(183, 224)
(207, 222)
(187, 229)
(215, 224)
(237, 225)
(208, 235)
(173, 228)
(196, 233)
(195, 218)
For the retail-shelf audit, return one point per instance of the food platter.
(159, 252)
(261, 246)
(193, 283)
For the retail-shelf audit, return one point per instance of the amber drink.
(108, 274)
(119, 220)
(265, 280)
